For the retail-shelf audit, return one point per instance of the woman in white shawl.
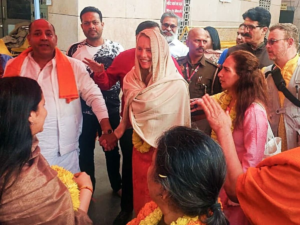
(157, 98)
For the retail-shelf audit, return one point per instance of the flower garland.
(150, 214)
(66, 177)
(141, 145)
(224, 100)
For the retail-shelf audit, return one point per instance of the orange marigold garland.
(224, 100)
(141, 145)
(66, 177)
(150, 214)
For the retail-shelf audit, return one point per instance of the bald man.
(199, 72)
(63, 80)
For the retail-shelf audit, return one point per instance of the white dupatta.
(164, 103)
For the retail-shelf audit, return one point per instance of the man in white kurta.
(169, 26)
(63, 124)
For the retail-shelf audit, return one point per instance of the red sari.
(140, 164)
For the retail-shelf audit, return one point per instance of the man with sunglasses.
(256, 23)
(169, 25)
(282, 45)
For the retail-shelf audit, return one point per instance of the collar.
(31, 58)
(292, 62)
(174, 42)
(84, 42)
(260, 46)
(201, 61)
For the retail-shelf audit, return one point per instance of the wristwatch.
(108, 131)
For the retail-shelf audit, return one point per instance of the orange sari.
(271, 192)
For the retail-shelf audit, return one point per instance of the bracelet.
(86, 187)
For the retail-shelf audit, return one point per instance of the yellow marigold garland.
(224, 100)
(150, 214)
(141, 145)
(67, 178)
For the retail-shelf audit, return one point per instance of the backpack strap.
(281, 85)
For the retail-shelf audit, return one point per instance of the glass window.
(19, 9)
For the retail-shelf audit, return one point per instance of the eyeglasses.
(251, 27)
(166, 25)
(273, 41)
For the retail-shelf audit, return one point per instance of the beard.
(170, 38)
(92, 37)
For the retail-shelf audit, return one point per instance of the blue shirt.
(4, 59)
(223, 56)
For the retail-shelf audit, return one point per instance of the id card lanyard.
(189, 77)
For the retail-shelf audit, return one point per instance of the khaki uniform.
(203, 80)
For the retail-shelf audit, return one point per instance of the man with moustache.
(256, 23)
(240, 39)
(63, 80)
(169, 25)
(282, 45)
(97, 52)
(199, 72)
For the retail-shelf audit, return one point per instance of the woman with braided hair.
(184, 180)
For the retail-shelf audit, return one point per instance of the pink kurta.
(249, 140)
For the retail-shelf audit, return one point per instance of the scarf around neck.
(65, 74)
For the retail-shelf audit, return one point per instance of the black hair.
(191, 167)
(91, 9)
(19, 96)
(214, 37)
(259, 14)
(146, 25)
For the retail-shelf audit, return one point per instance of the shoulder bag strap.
(281, 85)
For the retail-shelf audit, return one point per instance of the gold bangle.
(86, 187)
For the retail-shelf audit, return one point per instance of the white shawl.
(162, 104)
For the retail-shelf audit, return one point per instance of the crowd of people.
(192, 131)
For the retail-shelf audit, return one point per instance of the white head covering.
(164, 102)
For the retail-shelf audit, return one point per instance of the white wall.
(121, 17)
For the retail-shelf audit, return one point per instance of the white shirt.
(63, 123)
(178, 49)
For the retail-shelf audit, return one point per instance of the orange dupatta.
(65, 74)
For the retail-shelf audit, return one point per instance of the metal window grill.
(186, 19)
(265, 4)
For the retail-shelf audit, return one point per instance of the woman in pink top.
(244, 98)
